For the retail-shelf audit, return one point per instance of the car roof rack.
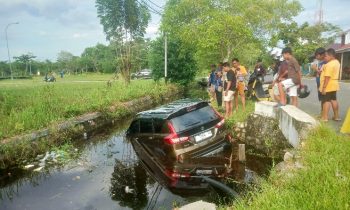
(166, 111)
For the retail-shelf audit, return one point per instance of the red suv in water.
(178, 143)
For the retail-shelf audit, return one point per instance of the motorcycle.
(262, 91)
(258, 89)
(49, 79)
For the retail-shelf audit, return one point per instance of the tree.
(4, 69)
(305, 39)
(25, 60)
(66, 61)
(123, 21)
(181, 63)
(221, 29)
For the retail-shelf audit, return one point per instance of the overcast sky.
(47, 27)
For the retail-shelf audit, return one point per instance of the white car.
(143, 74)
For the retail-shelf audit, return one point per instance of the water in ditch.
(107, 175)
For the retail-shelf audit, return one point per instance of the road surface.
(312, 106)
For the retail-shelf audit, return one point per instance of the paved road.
(311, 104)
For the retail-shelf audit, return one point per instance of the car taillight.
(173, 138)
(176, 175)
(221, 123)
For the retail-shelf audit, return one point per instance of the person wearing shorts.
(329, 85)
(280, 75)
(293, 81)
(317, 66)
(241, 72)
(229, 89)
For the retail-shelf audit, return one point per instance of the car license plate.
(204, 171)
(203, 136)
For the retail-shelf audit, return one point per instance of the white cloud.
(49, 26)
(80, 35)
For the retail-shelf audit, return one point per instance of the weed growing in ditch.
(240, 116)
(66, 152)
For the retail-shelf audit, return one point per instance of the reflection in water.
(107, 167)
(12, 181)
(128, 185)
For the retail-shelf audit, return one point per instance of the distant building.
(342, 48)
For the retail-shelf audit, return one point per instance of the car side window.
(165, 128)
(134, 127)
(146, 126)
(158, 125)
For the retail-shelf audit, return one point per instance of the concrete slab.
(295, 123)
(199, 205)
(266, 108)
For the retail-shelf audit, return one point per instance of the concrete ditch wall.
(95, 120)
(82, 126)
(272, 129)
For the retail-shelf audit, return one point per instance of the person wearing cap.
(329, 85)
(241, 72)
(293, 80)
(317, 66)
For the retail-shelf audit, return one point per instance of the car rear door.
(200, 125)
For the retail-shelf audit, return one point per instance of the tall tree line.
(100, 58)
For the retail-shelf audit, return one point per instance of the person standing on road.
(329, 85)
(320, 54)
(241, 72)
(293, 80)
(229, 89)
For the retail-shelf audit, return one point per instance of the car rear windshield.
(194, 118)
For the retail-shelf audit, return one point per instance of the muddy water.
(99, 179)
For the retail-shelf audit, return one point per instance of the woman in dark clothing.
(218, 88)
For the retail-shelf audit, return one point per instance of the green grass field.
(323, 182)
(32, 104)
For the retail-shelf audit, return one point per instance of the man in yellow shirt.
(329, 85)
(241, 72)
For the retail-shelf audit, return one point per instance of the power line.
(160, 7)
(151, 9)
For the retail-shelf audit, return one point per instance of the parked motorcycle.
(258, 89)
(49, 79)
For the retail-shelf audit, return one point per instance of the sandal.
(322, 120)
(336, 119)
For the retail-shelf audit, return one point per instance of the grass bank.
(322, 183)
(196, 91)
(27, 105)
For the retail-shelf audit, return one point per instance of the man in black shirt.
(229, 89)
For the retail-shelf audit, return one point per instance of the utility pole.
(319, 12)
(165, 58)
(8, 49)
